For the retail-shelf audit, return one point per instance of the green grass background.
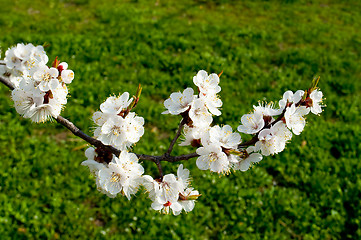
(312, 190)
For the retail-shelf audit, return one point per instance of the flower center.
(167, 204)
(46, 77)
(115, 177)
(116, 130)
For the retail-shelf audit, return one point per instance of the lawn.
(312, 190)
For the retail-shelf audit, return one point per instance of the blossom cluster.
(124, 175)
(219, 148)
(171, 192)
(40, 92)
(116, 125)
(274, 126)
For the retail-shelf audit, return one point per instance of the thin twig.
(164, 158)
(77, 132)
(175, 138)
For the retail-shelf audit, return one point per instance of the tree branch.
(77, 132)
(7, 83)
(165, 158)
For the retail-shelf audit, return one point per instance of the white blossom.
(251, 123)
(123, 175)
(224, 136)
(62, 66)
(199, 114)
(179, 102)
(170, 188)
(273, 140)
(67, 76)
(294, 118)
(114, 105)
(243, 164)
(172, 193)
(316, 97)
(91, 162)
(188, 197)
(118, 131)
(193, 133)
(212, 102)
(267, 109)
(207, 84)
(46, 78)
(213, 158)
(167, 197)
(114, 127)
(165, 207)
(290, 97)
(25, 58)
(39, 108)
(183, 176)
(152, 186)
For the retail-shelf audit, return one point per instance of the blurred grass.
(312, 190)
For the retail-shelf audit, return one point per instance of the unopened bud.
(56, 62)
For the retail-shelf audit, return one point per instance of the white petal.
(53, 84)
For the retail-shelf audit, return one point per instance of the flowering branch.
(39, 92)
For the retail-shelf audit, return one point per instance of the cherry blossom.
(290, 97)
(267, 109)
(316, 97)
(251, 123)
(114, 105)
(207, 84)
(294, 118)
(179, 102)
(273, 140)
(192, 134)
(212, 102)
(243, 163)
(123, 175)
(213, 158)
(199, 114)
(224, 137)
(171, 193)
(46, 78)
(118, 131)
